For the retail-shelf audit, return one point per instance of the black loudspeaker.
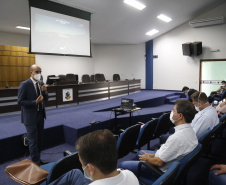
(187, 49)
(197, 48)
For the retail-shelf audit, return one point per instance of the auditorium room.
(121, 92)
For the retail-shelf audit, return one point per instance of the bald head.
(34, 66)
(35, 70)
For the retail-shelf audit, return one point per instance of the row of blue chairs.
(136, 136)
(175, 174)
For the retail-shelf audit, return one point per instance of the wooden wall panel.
(5, 73)
(4, 60)
(15, 65)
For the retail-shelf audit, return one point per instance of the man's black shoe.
(43, 162)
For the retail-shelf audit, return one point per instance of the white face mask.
(37, 77)
(85, 175)
(197, 107)
(171, 118)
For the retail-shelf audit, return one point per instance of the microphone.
(7, 85)
(124, 76)
(107, 79)
(133, 77)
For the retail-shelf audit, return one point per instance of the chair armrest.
(121, 130)
(151, 166)
(140, 123)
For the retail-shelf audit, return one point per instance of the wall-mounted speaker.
(187, 49)
(197, 48)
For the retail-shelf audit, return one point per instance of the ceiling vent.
(206, 22)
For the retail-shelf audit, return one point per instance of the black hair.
(98, 148)
(185, 88)
(186, 108)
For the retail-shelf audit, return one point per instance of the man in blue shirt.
(207, 116)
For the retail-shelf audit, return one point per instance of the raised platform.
(66, 124)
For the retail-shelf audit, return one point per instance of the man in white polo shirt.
(179, 144)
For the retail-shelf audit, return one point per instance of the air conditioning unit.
(207, 22)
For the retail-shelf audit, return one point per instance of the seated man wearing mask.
(188, 92)
(179, 144)
(98, 155)
(205, 119)
(207, 116)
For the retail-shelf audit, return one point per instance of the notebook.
(126, 104)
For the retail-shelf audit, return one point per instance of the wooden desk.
(81, 93)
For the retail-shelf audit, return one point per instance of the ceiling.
(112, 21)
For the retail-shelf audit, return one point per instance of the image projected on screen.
(55, 33)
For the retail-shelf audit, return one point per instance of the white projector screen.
(55, 33)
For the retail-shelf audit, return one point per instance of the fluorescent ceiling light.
(164, 18)
(152, 32)
(135, 4)
(22, 27)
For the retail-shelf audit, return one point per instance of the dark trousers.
(145, 173)
(216, 179)
(35, 137)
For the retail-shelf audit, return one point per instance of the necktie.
(38, 93)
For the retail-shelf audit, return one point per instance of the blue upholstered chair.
(165, 179)
(202, 139)
(207, 142)
(185, 164)
(179, 177)
(218, 98)
(127, 140)
(146, 134)
(163, 125)
(60, 167)
(223, 118)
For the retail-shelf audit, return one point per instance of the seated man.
(182, 142)
(207, 116)
(217, 174)
(188, 92)
(98, 156)
(218, 92)
(205, 119)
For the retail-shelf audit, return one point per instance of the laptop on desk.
(126, 104)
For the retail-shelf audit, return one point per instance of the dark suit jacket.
(27, 100)
(190, 92)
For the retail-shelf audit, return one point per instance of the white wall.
(12, 39)
(56, 65)
(126, 60)
(108, 59)
(172, 70)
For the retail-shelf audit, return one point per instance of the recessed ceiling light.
(135, 4)
(164, 18)
(152, 32)
(22, 27)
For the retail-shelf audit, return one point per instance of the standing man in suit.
(32, 95)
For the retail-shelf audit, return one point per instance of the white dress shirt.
(35, 82)
(125, 177)
(179, 144)
(205, 120)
